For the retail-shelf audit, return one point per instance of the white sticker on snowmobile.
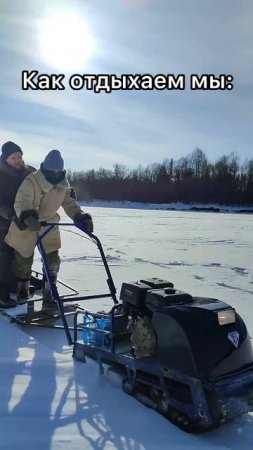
(234, 338)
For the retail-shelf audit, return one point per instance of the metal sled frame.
(38, 318)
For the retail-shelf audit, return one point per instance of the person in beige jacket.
(38, 199)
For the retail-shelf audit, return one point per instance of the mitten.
(32, 224)
(84, 219)
(30, 220)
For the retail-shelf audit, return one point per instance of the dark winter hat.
(8, 148)
(53, 161)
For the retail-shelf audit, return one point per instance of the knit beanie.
(53, 161)
(8, 148)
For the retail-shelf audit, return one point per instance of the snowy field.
(49, 401)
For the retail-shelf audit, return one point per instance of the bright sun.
(66, 43)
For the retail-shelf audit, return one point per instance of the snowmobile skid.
(30, 312)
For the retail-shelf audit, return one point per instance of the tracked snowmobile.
(199, 372)
(189, 358)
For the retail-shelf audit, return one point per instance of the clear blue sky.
(129, 36)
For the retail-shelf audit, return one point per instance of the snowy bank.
(177, 206)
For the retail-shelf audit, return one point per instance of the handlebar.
(95, 240)
(51, 225)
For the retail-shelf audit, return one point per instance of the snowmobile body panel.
(189, 338)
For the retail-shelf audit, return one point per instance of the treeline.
(190, 179)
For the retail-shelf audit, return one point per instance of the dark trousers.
(7, 277)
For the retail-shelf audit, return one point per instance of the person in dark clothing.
(12, 173)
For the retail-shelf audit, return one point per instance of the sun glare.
(65, 41)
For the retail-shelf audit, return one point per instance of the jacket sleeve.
(25, 197)
(70, 205)
(6, 211)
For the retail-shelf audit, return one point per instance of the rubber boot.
(5, 300)
(23, 291)
(36, 283)
(48, 303)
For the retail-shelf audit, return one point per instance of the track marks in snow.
(94, 260)
(234, 288)
(212, 265)
(116, 251)
(73, 259)
(220, 241)
(163, 264)
(240, 271)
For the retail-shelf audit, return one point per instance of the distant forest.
(190, 179)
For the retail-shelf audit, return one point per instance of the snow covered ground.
(49, 401)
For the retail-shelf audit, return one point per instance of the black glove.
(84, 219)
(30, 220)
(32, 224)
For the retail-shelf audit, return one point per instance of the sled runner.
(31, 312)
